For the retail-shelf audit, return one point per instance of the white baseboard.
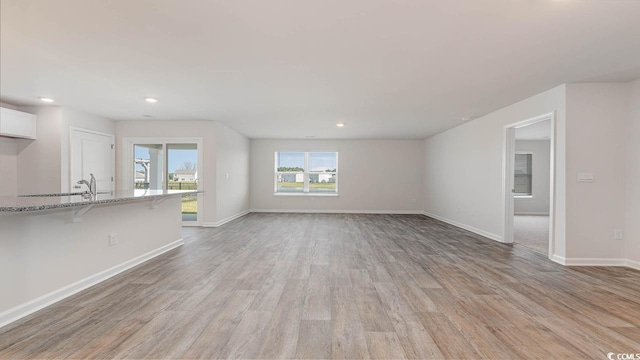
(558, 259)
(224, 221)
(43, 301)
(596, 262)
(532, 213)
(466, 227)
(324, 211)
(633, 264)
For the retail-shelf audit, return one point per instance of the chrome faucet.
(90, 184)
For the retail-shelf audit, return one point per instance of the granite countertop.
(24, 203)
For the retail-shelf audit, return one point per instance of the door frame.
(72, 137)
(508, 181)
(127, 165)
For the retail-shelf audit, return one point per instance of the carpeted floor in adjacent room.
(532, 231)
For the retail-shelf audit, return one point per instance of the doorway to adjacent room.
(529, 184)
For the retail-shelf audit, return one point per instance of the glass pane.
(290, 183)
(322, 183)
(522, 174)
(290, 161)
(190, 208)
(182, 162)
(149, 166)
(323, 161)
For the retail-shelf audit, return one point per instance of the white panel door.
(92, 153)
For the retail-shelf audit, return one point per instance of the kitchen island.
(54, 245)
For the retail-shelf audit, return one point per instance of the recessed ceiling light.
(151, 100)
(340, 124)
(46, 99)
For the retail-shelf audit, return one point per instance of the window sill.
(305, 194)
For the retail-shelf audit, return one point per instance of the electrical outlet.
(113, 239)
(413, 201)
(617, 234)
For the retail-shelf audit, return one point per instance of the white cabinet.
(17, 124)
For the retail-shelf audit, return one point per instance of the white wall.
(374, 176)
(538, 204)
(39, 161)
(596, 117)
(597, 131)
(463, 178)
(220, 144)
(632, 175)
(232, 169)
(43, 164)
(9, 166)
(9, 161)
(8, 106)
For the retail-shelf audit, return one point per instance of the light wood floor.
(341, 286)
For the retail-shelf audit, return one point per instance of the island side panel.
(44, 255)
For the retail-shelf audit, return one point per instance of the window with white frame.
(523, 174)
(311, 172)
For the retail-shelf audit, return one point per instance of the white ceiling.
(292, 68)
(536, 131)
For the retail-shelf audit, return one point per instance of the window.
(313, 173)
(522, 175)
(166, 164)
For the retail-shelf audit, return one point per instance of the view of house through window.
(182, 161)
(170, 167)
(306, 172)
(522, 176)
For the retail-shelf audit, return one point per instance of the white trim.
(43, 301)
(558, 259)
(507, 182)
(90, 131)
(327, 211)
(465, 227)
(508, 164)
(633, 264)
(224, 221)
(596, 262)
(532, 213)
